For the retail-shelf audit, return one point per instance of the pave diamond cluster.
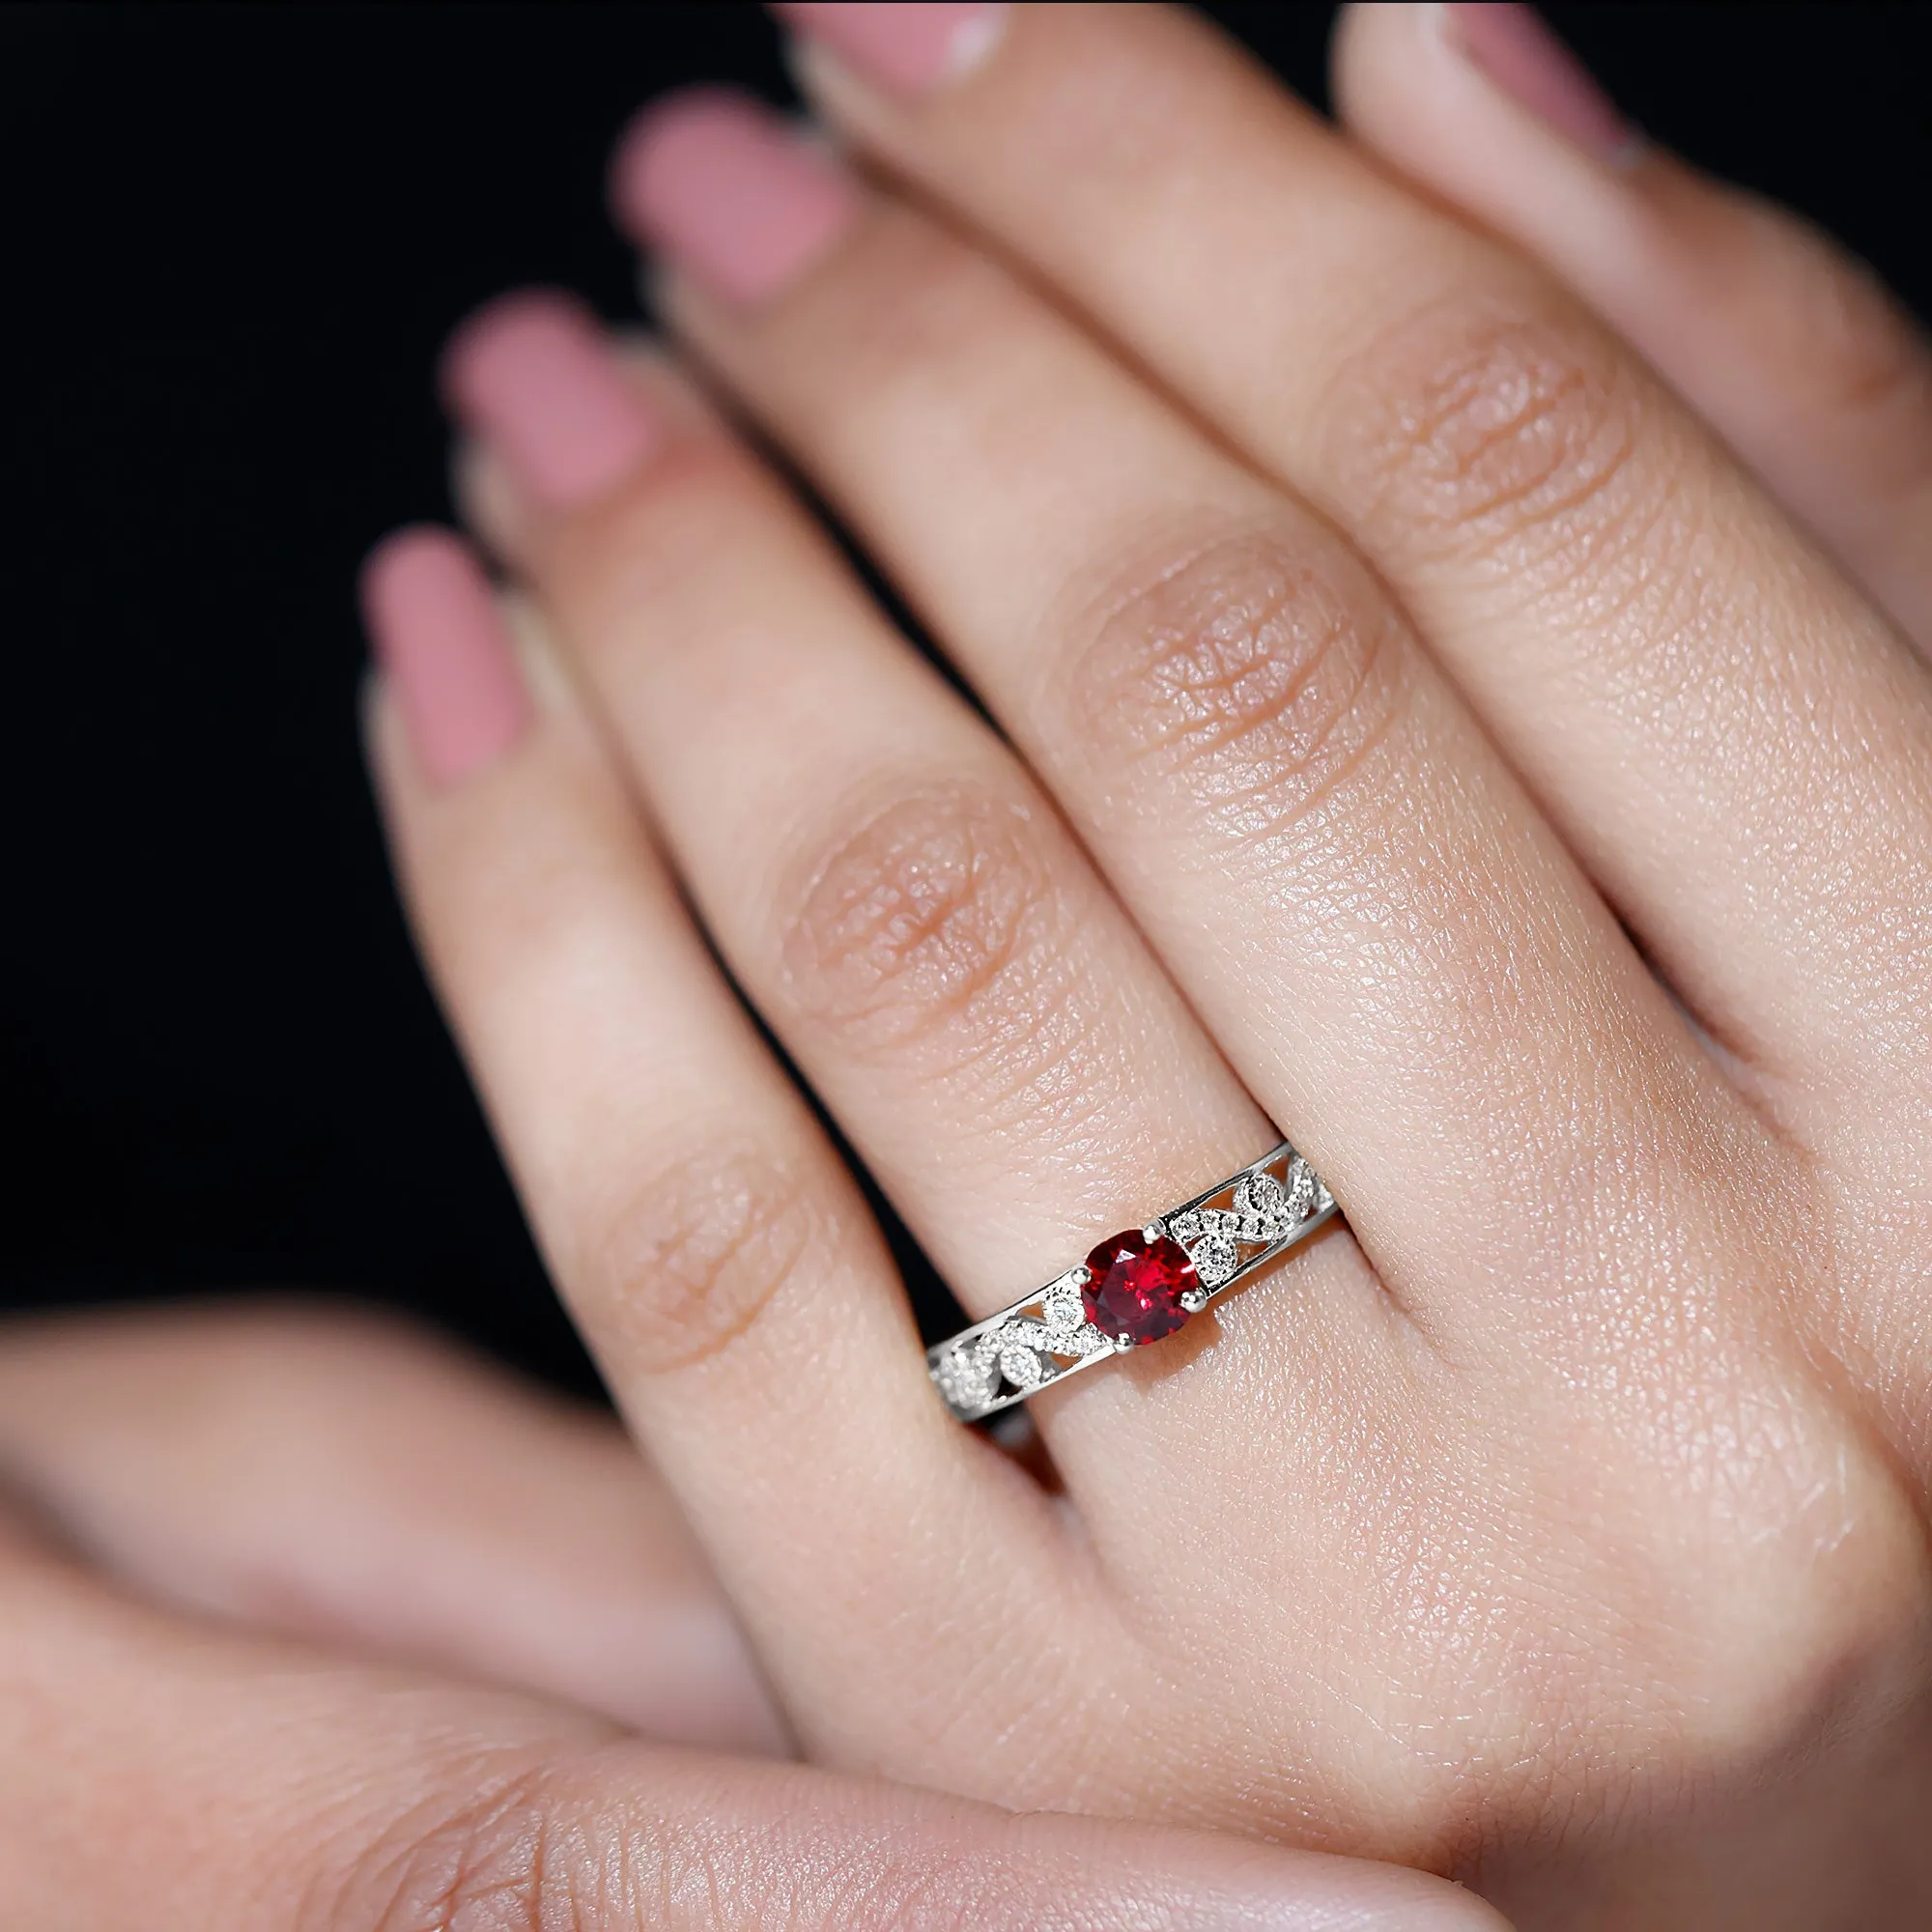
(1265, 1209)
(1024, 1350)
(1134, 1287)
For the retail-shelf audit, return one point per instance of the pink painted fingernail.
(1510, 44)
(533, 376)
(731, 192)
(906, 49)
(437, 631)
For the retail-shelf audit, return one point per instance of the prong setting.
(1124, 1295)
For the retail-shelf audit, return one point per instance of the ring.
(1133, 1288)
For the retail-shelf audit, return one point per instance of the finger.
(1790, 349)
(713, 1246)
(904, 907)
(912, 919)
(1279, 781)
(907, 910)
(344, 1478)
(1680, 679)
(152, 1776)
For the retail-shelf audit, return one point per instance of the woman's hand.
(1421, 733)
(337, 1492)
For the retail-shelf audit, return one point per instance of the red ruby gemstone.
(1134, 1286)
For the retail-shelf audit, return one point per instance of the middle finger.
(1381, 931)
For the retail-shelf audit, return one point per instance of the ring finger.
(718, 1256)
(900, 899)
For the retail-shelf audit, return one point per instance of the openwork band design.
(1134, 1287)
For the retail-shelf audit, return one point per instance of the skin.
(262, 1574)
(1463, 700)
(1470, 766)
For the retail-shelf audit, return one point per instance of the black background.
(234, 238)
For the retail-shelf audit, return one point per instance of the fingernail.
(437, 633)
(532, 376)
(906, 49)
(1511, 45)
(730, 193)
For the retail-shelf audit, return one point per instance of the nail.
(437, 631)
(1514, 48)
(730, 193)
(906, 49)
(533, 376)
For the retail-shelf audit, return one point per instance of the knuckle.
(483, 1852)
(1827, 319)
(1819, 1591)
(1871, 367)
(669, 538)
(685, 1265)
(907, 297)
(1506, 437)
(1259, 677)
(933, 923)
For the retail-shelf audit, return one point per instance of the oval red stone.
(1134, 1286)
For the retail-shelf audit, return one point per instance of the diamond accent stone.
(1024, 1332)
(1261, 1194)
(967, 1374)
(1066, 1331)
(1306, 1195)
(1062, 1312)
(1261, 1203)
(1085, 1340)
(1215, 1258)
(1019, 1365)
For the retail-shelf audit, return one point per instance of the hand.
(336, 1493)
(1422, 734)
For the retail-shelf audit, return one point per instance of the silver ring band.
(1134, 1287)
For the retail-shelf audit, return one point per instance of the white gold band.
(1134, 1287)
